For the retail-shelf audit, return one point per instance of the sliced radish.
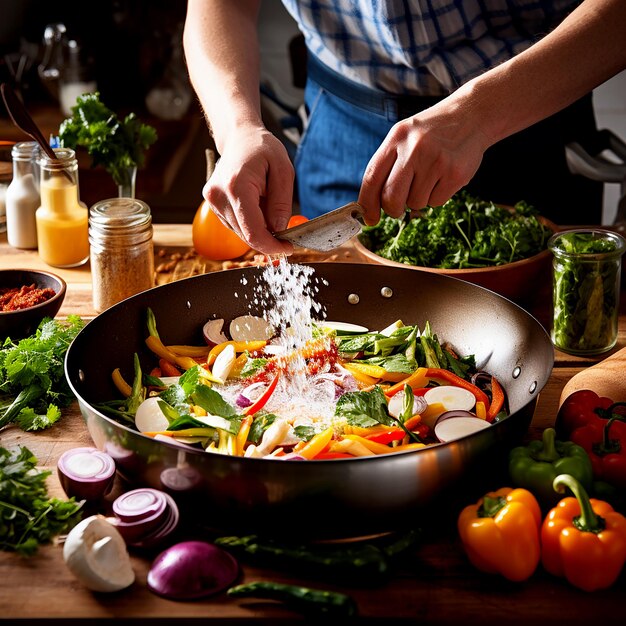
(250, 328)
(212, 332)
(149, 417)
(458, 426)
(396, 404)
(450, 398)
(224, 362)
(345, 328)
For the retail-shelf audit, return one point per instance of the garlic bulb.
(96, 554)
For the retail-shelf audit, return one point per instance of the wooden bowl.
(516, 281)
(23, 322)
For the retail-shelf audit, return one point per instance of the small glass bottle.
(5, 180)
(22, 196)
(121, 250)
(62, 221)
(586, 289)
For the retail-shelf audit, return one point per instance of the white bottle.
(22, 196)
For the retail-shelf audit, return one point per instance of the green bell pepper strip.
(535, 466)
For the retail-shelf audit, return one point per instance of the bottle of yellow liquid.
(62, 221)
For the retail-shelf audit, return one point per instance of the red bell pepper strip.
(452, 379)
(167, 369)
(322, 456)
(262, 399)
(387, 436)
(497, 399)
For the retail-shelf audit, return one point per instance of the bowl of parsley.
(504, 249)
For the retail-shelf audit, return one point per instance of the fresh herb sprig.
(465, 232)
(115, 144)
(33, 387)
(28, 517)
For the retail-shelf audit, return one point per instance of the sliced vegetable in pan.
(345, 392)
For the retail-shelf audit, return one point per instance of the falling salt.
(285, 294)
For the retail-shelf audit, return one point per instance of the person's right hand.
(251, 189)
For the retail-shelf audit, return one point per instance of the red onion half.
(191, 570)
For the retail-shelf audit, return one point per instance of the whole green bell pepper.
(535, 466)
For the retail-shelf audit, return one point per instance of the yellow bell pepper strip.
(583, 539)
(317, 443)
(184, 432)
(122, 386)
(240, 346)
(360, 376)
(261, 401)
(500, 533)
(349, 446)
(372, 446)
(450, 378)
(417, 380)
(198, 352)
(481, 411)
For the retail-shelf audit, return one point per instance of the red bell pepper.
(599, 427)
(261, 401)
(579, 409)
(387, 436)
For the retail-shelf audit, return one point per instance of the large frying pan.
(362, 496)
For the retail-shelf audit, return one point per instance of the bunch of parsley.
(464, 232)
(33, 387)
(115, 144)
(28, 517)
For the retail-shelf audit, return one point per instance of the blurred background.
(131, 52)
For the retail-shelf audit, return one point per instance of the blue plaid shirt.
(423, 47)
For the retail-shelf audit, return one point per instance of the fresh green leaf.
(29, 420)
(28, 517)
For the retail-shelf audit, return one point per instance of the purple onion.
(86, 473)
(142, 513)
(191, 570)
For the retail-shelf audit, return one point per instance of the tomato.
(294, 220)
(214, 240)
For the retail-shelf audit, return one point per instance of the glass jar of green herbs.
(586, 289)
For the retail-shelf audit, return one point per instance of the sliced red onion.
(242, 401)
(253, 392)
(144, 514)
(86, 473)
(212, 332)
(191, 570)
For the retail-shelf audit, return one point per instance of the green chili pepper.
(365, 562)
(302, 599)
(535, 466)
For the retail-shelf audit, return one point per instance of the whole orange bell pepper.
(500, 533)
(583, 539)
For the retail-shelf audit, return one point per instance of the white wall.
(610, 105)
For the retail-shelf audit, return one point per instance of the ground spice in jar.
(16, 298)
(121, 250)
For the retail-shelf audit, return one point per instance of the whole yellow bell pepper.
(501, 533)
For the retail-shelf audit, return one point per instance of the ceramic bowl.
(517, 281)
(24, 322)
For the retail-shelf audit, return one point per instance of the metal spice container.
(121, 250)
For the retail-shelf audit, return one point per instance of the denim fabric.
(332, 155)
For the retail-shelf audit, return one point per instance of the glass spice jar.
(586, 289)
(62, 221)
(121, 250)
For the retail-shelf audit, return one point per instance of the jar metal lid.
(116, 214)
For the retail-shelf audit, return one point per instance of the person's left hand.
(423, 161)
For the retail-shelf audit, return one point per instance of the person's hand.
(251, 189)
(423, 161)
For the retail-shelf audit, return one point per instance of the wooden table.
(436, 585)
